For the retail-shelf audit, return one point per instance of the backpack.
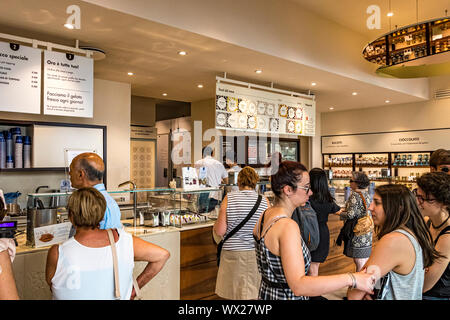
(306, 219)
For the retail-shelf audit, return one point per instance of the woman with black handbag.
(282, 254)
(238, 277)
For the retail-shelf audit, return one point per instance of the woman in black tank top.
(433, 198)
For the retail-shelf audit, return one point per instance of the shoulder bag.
(364, 224)
(116, 271)
(236, 229)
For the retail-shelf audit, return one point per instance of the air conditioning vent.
(442, 94)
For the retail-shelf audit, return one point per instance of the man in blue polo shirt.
(87, 170)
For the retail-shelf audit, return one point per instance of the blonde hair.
(248, 177)
(87, 207)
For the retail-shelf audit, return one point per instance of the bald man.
(87, 170)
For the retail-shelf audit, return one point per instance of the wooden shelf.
(408, 47)
(371, 166)
(339, 165)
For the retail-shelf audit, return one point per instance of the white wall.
(111, 109)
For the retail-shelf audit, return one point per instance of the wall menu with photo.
(406, 141)
(239, 108)
(20, 78)
(68, 85)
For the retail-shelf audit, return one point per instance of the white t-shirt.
(215, 173)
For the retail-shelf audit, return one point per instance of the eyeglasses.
(420, 198)
(306, 188)
(445, 169)
(351, 180)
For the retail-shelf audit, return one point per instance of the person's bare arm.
(390, 252)
(220, 226)
(8, 289)
(435, 271)
(294, 267)
(156, 257)
(52, 262)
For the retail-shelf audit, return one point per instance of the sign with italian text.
(68, 85)
(20, 78)
(253, 110)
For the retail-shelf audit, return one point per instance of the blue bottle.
(9, 144)
(18, 152)
(9, 162)
(2, 152)
(27, 152)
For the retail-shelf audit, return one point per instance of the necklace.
(441, 223)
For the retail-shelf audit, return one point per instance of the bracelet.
(353, 280)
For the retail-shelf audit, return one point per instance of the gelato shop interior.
(147, 86)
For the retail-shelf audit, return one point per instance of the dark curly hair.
(289, 174)
(436, 184)
(361, 179)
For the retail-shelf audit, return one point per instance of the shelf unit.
(389, 172)
(398, 52)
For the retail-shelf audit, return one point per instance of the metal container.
(164, 218)
(13, 209)
(39, 218)
(151, 217)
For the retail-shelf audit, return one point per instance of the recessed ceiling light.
(390, 14)
(354, 93)
(69, 26)
(200, 86)
(182, 53)
(258, 71)
(331, 108)
(387, 101)
(313, 84)
(164, 94)
(130, 73)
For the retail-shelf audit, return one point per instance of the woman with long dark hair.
(323, 204)
(433, 198)
(404, 249)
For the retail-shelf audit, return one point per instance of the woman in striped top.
(238, 276)
(282, 255)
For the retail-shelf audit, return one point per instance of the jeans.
(433, 298)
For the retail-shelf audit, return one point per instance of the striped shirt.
(238, 207)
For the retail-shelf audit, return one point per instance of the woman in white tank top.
(81, 268)
(404, 248)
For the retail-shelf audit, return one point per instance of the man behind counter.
(87, 170)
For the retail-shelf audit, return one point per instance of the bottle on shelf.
(2, 151)
(27, 152)
(9, 144)
(18, 153)
(9, 162)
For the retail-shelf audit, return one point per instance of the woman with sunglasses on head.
(360, 246)
(404, 248)
(433, 198)
(282, 255)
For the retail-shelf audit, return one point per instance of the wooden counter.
(29, 264)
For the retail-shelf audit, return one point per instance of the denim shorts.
(434, 298)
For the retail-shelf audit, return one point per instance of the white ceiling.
(149, 50)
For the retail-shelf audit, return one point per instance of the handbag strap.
(240, 225)
(364, 200)
(115, 264)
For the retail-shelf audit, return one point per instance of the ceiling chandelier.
(417, 50)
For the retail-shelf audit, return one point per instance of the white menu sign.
(239, 108)
(405, 141)
(68, 85)
(20, 78)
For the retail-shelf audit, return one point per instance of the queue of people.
(267, 257)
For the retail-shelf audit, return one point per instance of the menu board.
(68, 85)
(239, 108)
(20, 78)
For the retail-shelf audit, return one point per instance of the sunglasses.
(351, 180)
(420, 198)
(445, 169)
